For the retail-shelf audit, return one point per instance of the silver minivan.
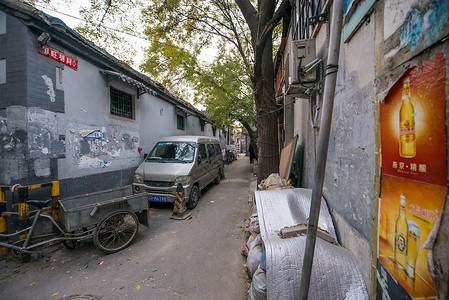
(193, 161)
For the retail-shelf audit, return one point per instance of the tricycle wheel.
(69, 244)
(23, 256)
(116, 231)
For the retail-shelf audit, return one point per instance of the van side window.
(210, 150)
(217, 150)
(202, 151)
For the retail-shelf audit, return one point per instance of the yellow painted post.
(55, 198)
(179, 206)
(24, 208)
(3, 224)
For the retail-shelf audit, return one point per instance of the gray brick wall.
(13, 49)
(38, 66)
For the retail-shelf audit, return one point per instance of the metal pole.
(323, 143)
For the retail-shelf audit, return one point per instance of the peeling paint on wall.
(42, 167)
(101, 148)
(424, 26)
(92, 162)
(42, 132)
(50, 91)
(93, 133)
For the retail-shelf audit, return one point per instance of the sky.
(68, 11)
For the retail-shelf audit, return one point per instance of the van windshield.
(172, 152)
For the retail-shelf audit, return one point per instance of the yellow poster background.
(423, 204)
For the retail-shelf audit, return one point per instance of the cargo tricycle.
(111, 218)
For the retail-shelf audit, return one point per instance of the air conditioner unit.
(300, 67)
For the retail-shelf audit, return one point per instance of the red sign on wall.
(58, 56)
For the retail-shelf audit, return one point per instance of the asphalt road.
(198, 258)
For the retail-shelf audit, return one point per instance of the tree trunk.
(251, 133)
(261, 23)
(267, 116)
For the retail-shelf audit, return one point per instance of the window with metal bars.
(121, 104)
(303, 10)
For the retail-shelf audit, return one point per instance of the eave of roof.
(60, 32)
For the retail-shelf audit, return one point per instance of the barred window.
(121, 104)
(303, 10)
(202, 123)
(180, 122)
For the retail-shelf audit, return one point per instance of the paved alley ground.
(198, 258)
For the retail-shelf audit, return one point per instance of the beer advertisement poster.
(408, 212)
(412, 124)
(413, 178)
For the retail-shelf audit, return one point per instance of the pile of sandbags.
(255, 262)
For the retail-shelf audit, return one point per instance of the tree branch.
(277, 17)
(251, 16)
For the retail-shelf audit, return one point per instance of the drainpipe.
(323, 143)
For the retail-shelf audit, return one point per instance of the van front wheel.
(193, 198)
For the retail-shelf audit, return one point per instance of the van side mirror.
(199, 158)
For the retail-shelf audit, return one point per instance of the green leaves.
(181, 30)
(109, 23)
(224, 88)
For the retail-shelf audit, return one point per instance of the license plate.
(157, 198)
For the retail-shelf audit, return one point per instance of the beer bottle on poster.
(413, 248)
(401, 237)
(407, 141)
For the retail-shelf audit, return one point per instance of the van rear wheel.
(193, 198)
(218, 178)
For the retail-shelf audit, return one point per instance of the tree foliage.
(182, 31)
(112, 24)
(224, 86)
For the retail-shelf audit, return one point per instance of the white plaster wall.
(360, 56)
(208, 130)
(192, 126)
(158, 120)
(349, 180)
(395, 13)
(87, 107)
(301, 120)
(322, 41)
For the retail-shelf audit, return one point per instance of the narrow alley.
(198, 258)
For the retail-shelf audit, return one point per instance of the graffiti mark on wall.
(50, 91)
(424, 26)
(93, 133)
(99, 147)
(92, 162)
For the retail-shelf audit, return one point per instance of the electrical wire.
(120, 31)
(165, 44)
(308, 88)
